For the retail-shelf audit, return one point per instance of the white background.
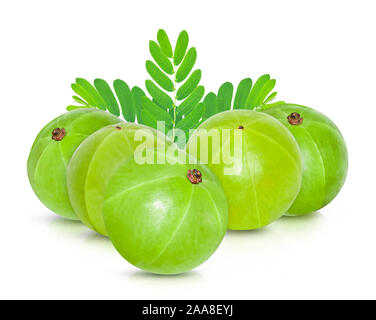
(322, 54)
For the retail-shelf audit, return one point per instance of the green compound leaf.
(271, 97)
(148, 119)
(264, 91)
(83, 93)
(242, 92)
(79, 100)
(159, 77)
(105, 91)
(101, 96)
(187, 88)
(270, 105)
(125, 99)
(181, 47)
(255, 91)
(73, 107)
(158, 104)
(192, 119)
(210, 102)
(161, 97)
(154, 110)
(246, 96)
(95, 96)
(187, 105)
(160, 58)
(172, 81)
(187, 65)
(164, 43)
(224, 96)
(137, 94)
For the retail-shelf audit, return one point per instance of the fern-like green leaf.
(125, 99)
(73, 107)
(164, 43)
(148, 119)
(101, 96)
(271, 97)
(195, 97)
(83, 93)
(151, 120)
(161, 97)
(160, 58)
(242, 92)
(79, 100)
(172, 81)
(187, 88)
(181, 47)
(246, 97)
(224, 97)
(264, 91)
(159, 77)
(210, 102)
(137, 94)
(191, 120)
(95, 96)
(108, 96)
(255, 91)
(157, 112)
(187, 65)
(270, 105)
(166, 88)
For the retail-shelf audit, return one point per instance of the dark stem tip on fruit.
(194, 176)
(117, 127)
(58, 134)
(240, 127)
(295, 119)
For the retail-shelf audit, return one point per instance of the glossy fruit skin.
(93, 164)
(159, 221)
(269, 174)
(324, 152)
(48, 158)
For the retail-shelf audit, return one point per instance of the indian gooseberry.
(52, 150)
(324, 155)
(96, 159)
(165, 218)
(265, 179)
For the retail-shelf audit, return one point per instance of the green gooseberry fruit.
(52, 150)
(165, 218)
(324, 155)
(266, 178)
(94, 162)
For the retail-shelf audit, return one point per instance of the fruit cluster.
(169, 215)
(169, 218)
